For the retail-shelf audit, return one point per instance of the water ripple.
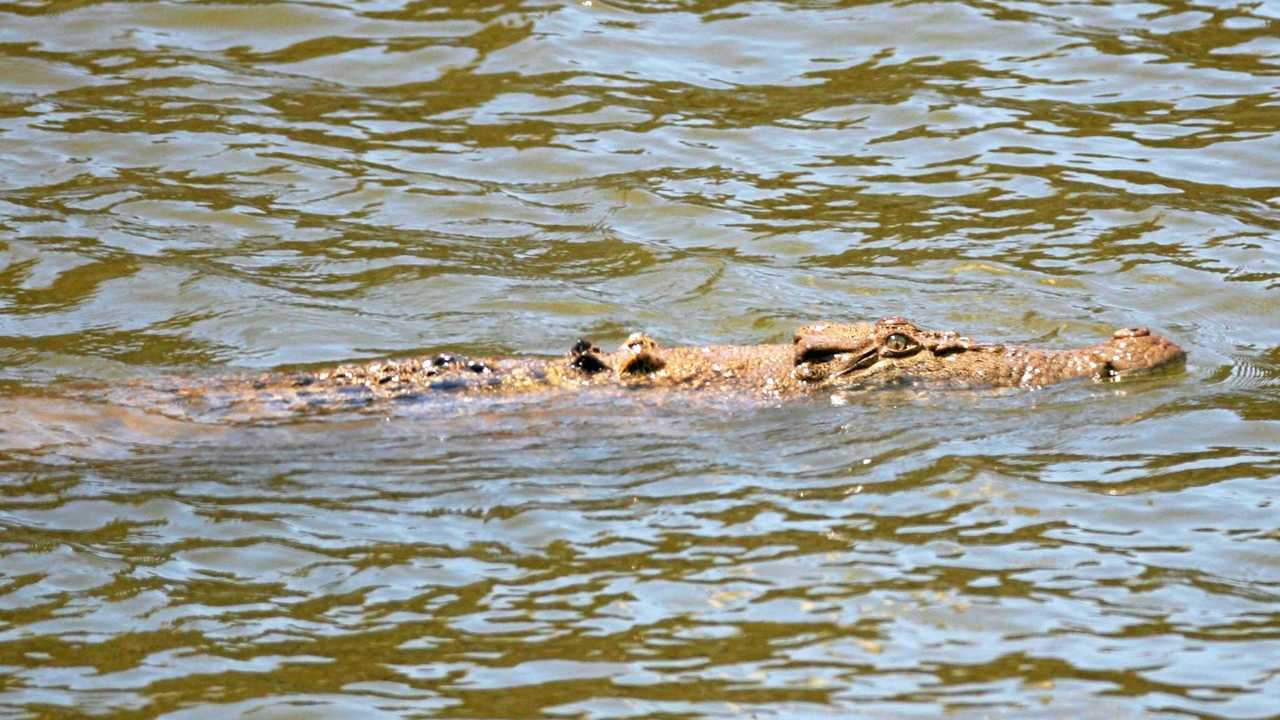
(193, 188)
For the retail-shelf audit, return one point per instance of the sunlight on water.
(194, 190)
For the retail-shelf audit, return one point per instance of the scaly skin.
(823, 356)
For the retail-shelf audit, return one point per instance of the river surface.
(198, 188)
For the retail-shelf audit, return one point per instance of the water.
(208, 188)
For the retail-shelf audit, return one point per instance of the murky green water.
(204, 187)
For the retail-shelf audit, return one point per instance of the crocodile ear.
(941, 343)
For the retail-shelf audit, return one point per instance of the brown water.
(200, 187)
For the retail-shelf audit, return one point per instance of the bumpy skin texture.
(894, 349)
(823, 356)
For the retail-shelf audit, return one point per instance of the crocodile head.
(894, 349)
(855, 353)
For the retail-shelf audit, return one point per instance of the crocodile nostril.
(1131, 332)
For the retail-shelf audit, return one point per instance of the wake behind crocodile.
(825, 357)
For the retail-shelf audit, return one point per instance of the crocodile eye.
(898, 342)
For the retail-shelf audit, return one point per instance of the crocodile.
(825, 356)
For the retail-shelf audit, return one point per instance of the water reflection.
(190, 188)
